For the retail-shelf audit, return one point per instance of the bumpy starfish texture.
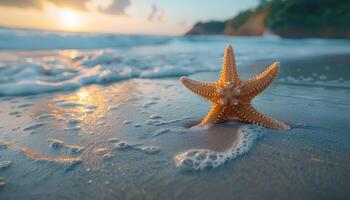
(231, 97)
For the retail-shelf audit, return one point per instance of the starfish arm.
(205, 90)
(254, 86)
(247, 113)
(214, 115)
(229, 69)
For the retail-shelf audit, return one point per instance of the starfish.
(231, 97)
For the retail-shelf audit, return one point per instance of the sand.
(125, 140)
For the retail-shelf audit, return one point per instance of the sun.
(69, 18)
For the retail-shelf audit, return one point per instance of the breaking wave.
(57, 61)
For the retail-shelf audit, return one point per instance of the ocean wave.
(41, 76)
(115, 58)
(21, 39)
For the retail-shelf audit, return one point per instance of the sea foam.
(35, 72)
(200, 159)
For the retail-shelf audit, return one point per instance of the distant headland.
(286, 18)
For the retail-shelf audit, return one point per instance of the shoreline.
(129, 139)
(289, 67)
(107, 121)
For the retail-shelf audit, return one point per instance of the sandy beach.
(174, 100)
(130, 140)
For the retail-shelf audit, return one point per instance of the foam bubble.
(113, 140)
(148, 104)
(75, 128)
(5, 164)
(101, 151)
(55, 143)
(155, 116)
(5, 145)
(107, 156)
(323, 77)
(199, 159)
(74, 149)
(102, 123)
(33, 126)
(150, 149)
(127, 122)
(107, 182)
(2, 182)
(151, 121)
(121, 145)
(114, 107)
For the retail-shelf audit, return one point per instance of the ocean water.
(98, 116)
(34, 62)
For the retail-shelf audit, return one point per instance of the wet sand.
(130, 133)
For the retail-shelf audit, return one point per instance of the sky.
(156, 17)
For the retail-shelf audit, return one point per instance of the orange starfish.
(231, 97)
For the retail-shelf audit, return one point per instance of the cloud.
(156, 14)
(116, 7)
(21, 3)
(152, 14)
(161, 16)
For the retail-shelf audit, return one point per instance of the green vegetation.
(324, 18)
(209, 28)
(287, 18)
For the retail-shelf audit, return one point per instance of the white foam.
(121, 145)
(5, 164)
(199, 159)
(151, 121)
(127, 122)
(35, 73)
(74, 128)
(55, 143)
(2, 182)
(150, 149)
(74, 149)
(107, 156)
(114, 107)
(155, 116)
(113, 140)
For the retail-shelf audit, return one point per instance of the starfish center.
(228, 94)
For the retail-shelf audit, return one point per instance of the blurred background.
(287, 18)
